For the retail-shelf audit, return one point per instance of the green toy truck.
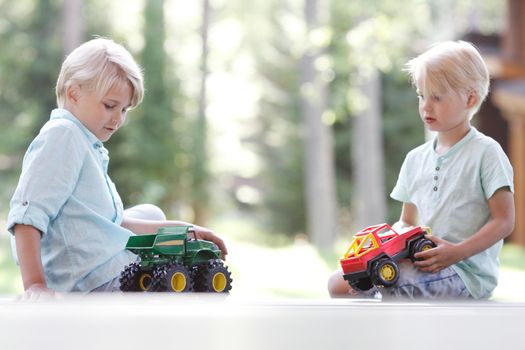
(171, 261)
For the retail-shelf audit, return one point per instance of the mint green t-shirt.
(451, 193)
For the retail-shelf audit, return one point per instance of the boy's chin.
(432, 127)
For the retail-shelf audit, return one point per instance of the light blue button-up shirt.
(451, 191)
(64, 191)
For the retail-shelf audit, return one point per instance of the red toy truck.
(374, 251)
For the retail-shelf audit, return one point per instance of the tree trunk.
(368, 158)
(72, 25)
(200, 174)
(318, 145)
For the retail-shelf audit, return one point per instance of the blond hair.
(99, 65)
(450, 65)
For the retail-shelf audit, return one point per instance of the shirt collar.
(454, 149)
(60, 113)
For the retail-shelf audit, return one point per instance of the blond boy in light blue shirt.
(67, 220)
(460, 184)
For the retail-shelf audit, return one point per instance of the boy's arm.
(28, 251)
(140, 226)
(408, 217)
(499, 226)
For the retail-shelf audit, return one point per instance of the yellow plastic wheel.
(219, 282)
(178, 282)
(385, 272)
(145, 281)
(213, 277)
(426, 246)
(388, 272)
(420, 245)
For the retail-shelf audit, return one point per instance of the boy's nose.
(118, 119)
(427, 106)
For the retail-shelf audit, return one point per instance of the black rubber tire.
(385, 272)
(420, 245)
(172, 277)
(213, 277)
(361, 284)
(159, 275)
(128, 278)
(134, 279)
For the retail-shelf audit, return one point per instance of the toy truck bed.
(156, 243)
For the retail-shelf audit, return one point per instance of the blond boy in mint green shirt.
(451, 192)
(460, 184)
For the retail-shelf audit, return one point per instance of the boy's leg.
(145, 212)
(109, 287)
(338, 287)
(413, 283)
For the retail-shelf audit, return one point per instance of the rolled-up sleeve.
(50, 171)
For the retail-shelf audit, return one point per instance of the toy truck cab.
(171, 260)
(374, 251)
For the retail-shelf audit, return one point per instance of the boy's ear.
(73, 92)
(472, 99)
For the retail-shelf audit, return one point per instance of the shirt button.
(435, 188)
(435, 177)
(437, 168)
(25, 203)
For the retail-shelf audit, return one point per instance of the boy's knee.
(337, 286)
(146, 212)
(155, 212)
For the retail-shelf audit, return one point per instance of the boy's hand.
(438, 258)
(209, 235)
(36, 292)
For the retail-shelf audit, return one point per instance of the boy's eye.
(108, 106)
(436, 98)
